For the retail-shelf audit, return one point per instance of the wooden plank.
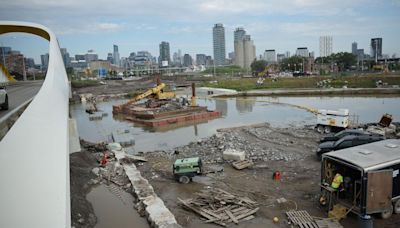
(231, 216)
(247, 214)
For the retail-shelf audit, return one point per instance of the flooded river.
(235, 112)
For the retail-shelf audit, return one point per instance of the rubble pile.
(221, 207)
(260, 143)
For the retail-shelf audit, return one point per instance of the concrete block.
(114, 146)
(234, 155)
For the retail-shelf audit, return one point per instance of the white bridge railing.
(34, 155)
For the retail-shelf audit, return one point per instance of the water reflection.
(246, 104)
(221, 105)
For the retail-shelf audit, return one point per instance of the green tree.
(258, 66)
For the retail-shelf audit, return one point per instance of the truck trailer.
(371, 179)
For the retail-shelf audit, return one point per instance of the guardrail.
(34, 155)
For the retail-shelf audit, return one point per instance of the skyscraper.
(245, 52)
(302, 51)
(116, 56)
(65, 56)
(376, 48)
(354, 48)
(187, 60)
(270, 56)
(219, 44)
(45, 61)
(238, 34)
(164, 54)
(325, 46)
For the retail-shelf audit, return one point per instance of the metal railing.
(34, 155)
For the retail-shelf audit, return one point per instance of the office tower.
(165, 58)
(187, 60)
(376, 48)
(302, 51)
(116, 55)
(325, 46)
(270, 56)
(354, 48)
(219, 44)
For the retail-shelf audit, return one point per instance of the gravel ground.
(288, 150)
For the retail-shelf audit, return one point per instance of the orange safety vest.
(337, 180)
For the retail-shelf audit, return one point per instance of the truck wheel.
(386, 214)
(5, 105)
(320, 129)
(396, 206)
(184, 179)
(327, 129)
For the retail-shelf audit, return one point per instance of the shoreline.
(313, 92)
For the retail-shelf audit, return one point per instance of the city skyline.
(93, 25)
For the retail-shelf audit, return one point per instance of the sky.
(136, 25)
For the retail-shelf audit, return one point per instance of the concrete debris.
(233, 155)
(258, 143)
(114, 146)
(124, 137)
(94, 117)
(221, 207)
(155, 210)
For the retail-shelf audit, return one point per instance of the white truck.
(332, 120)
(3, 91)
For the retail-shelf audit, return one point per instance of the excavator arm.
(156, 91)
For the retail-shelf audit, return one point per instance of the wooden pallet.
(302, 219)
(242, 164)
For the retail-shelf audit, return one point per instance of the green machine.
(186, 168)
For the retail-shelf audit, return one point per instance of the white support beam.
(34, 155)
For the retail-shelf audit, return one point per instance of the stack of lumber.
(221, 207)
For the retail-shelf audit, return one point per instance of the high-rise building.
(249, 51)
(165, 57)
(245, 52)
(65, 56)
(45, 61)
(219, 44)
(270, 56)
(238, 34)
(376, 48)
(287, 54)
(110, 57)
(280, 57)
(302, 51)
(325, 46)
(4, 51)
(354, 48)
(187, 60)
(201, 59)
(116, 55)
(90, 56)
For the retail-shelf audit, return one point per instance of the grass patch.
(85, 83)
(244, 84)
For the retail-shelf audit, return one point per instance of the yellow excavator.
(157, 92)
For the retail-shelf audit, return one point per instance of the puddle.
(114, 208)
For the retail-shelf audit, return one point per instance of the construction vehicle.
(155, 92)
(332, 121)
(185, 169)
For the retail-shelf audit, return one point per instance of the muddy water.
(114, 208)
(235, 112)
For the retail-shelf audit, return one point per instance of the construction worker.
(337, 181)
